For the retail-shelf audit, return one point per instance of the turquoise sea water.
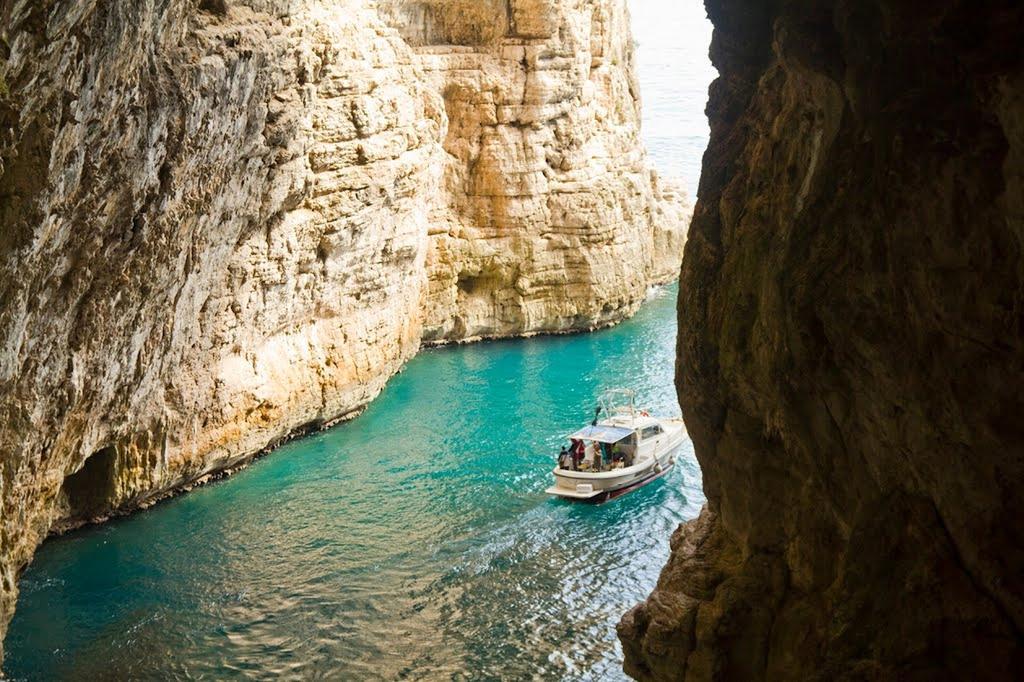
(413, 542)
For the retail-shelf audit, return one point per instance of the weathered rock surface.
(851, 352)
(222, 221)
(213, 235)
(546, 220)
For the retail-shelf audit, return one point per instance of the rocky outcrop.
(546, 220)
(213, 235)
(851, 352)
(226, 221)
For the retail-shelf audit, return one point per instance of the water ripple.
(414, 542)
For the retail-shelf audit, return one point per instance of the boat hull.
(606, 494)
(639, 484)
(588, 487)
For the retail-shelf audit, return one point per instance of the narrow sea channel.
(413, 542)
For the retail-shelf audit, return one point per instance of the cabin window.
(651, 431)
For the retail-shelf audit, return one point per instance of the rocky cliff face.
(224, 221)
(851, 352)
(550, 217)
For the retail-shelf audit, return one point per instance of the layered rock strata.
(225, 221)
(851, 352)
(549, 204)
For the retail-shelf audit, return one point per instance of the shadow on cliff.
(851, 352)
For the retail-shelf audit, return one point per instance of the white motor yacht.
(626, 449)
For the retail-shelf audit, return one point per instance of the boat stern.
(583, 491)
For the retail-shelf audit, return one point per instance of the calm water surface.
(414, 542)
(672, 57)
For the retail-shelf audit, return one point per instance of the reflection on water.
(412, 542)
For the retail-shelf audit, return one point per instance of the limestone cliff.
(851, 352)
(547, 218)
(225, 221)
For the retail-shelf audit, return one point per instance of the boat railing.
(654, 454)
(620, 401)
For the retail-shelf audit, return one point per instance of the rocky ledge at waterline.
(228, 220)
(851, 352)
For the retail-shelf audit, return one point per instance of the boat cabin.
(613, 444)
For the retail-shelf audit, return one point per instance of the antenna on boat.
(597, 411)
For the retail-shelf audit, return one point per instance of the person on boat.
(564, 460)
(577, 454)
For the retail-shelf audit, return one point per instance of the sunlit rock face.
(851, 359)
(213, 234)
(550, 217)
(225, 221)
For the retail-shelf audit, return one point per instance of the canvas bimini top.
(602, 434)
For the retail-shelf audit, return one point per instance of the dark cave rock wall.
(851, 358)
